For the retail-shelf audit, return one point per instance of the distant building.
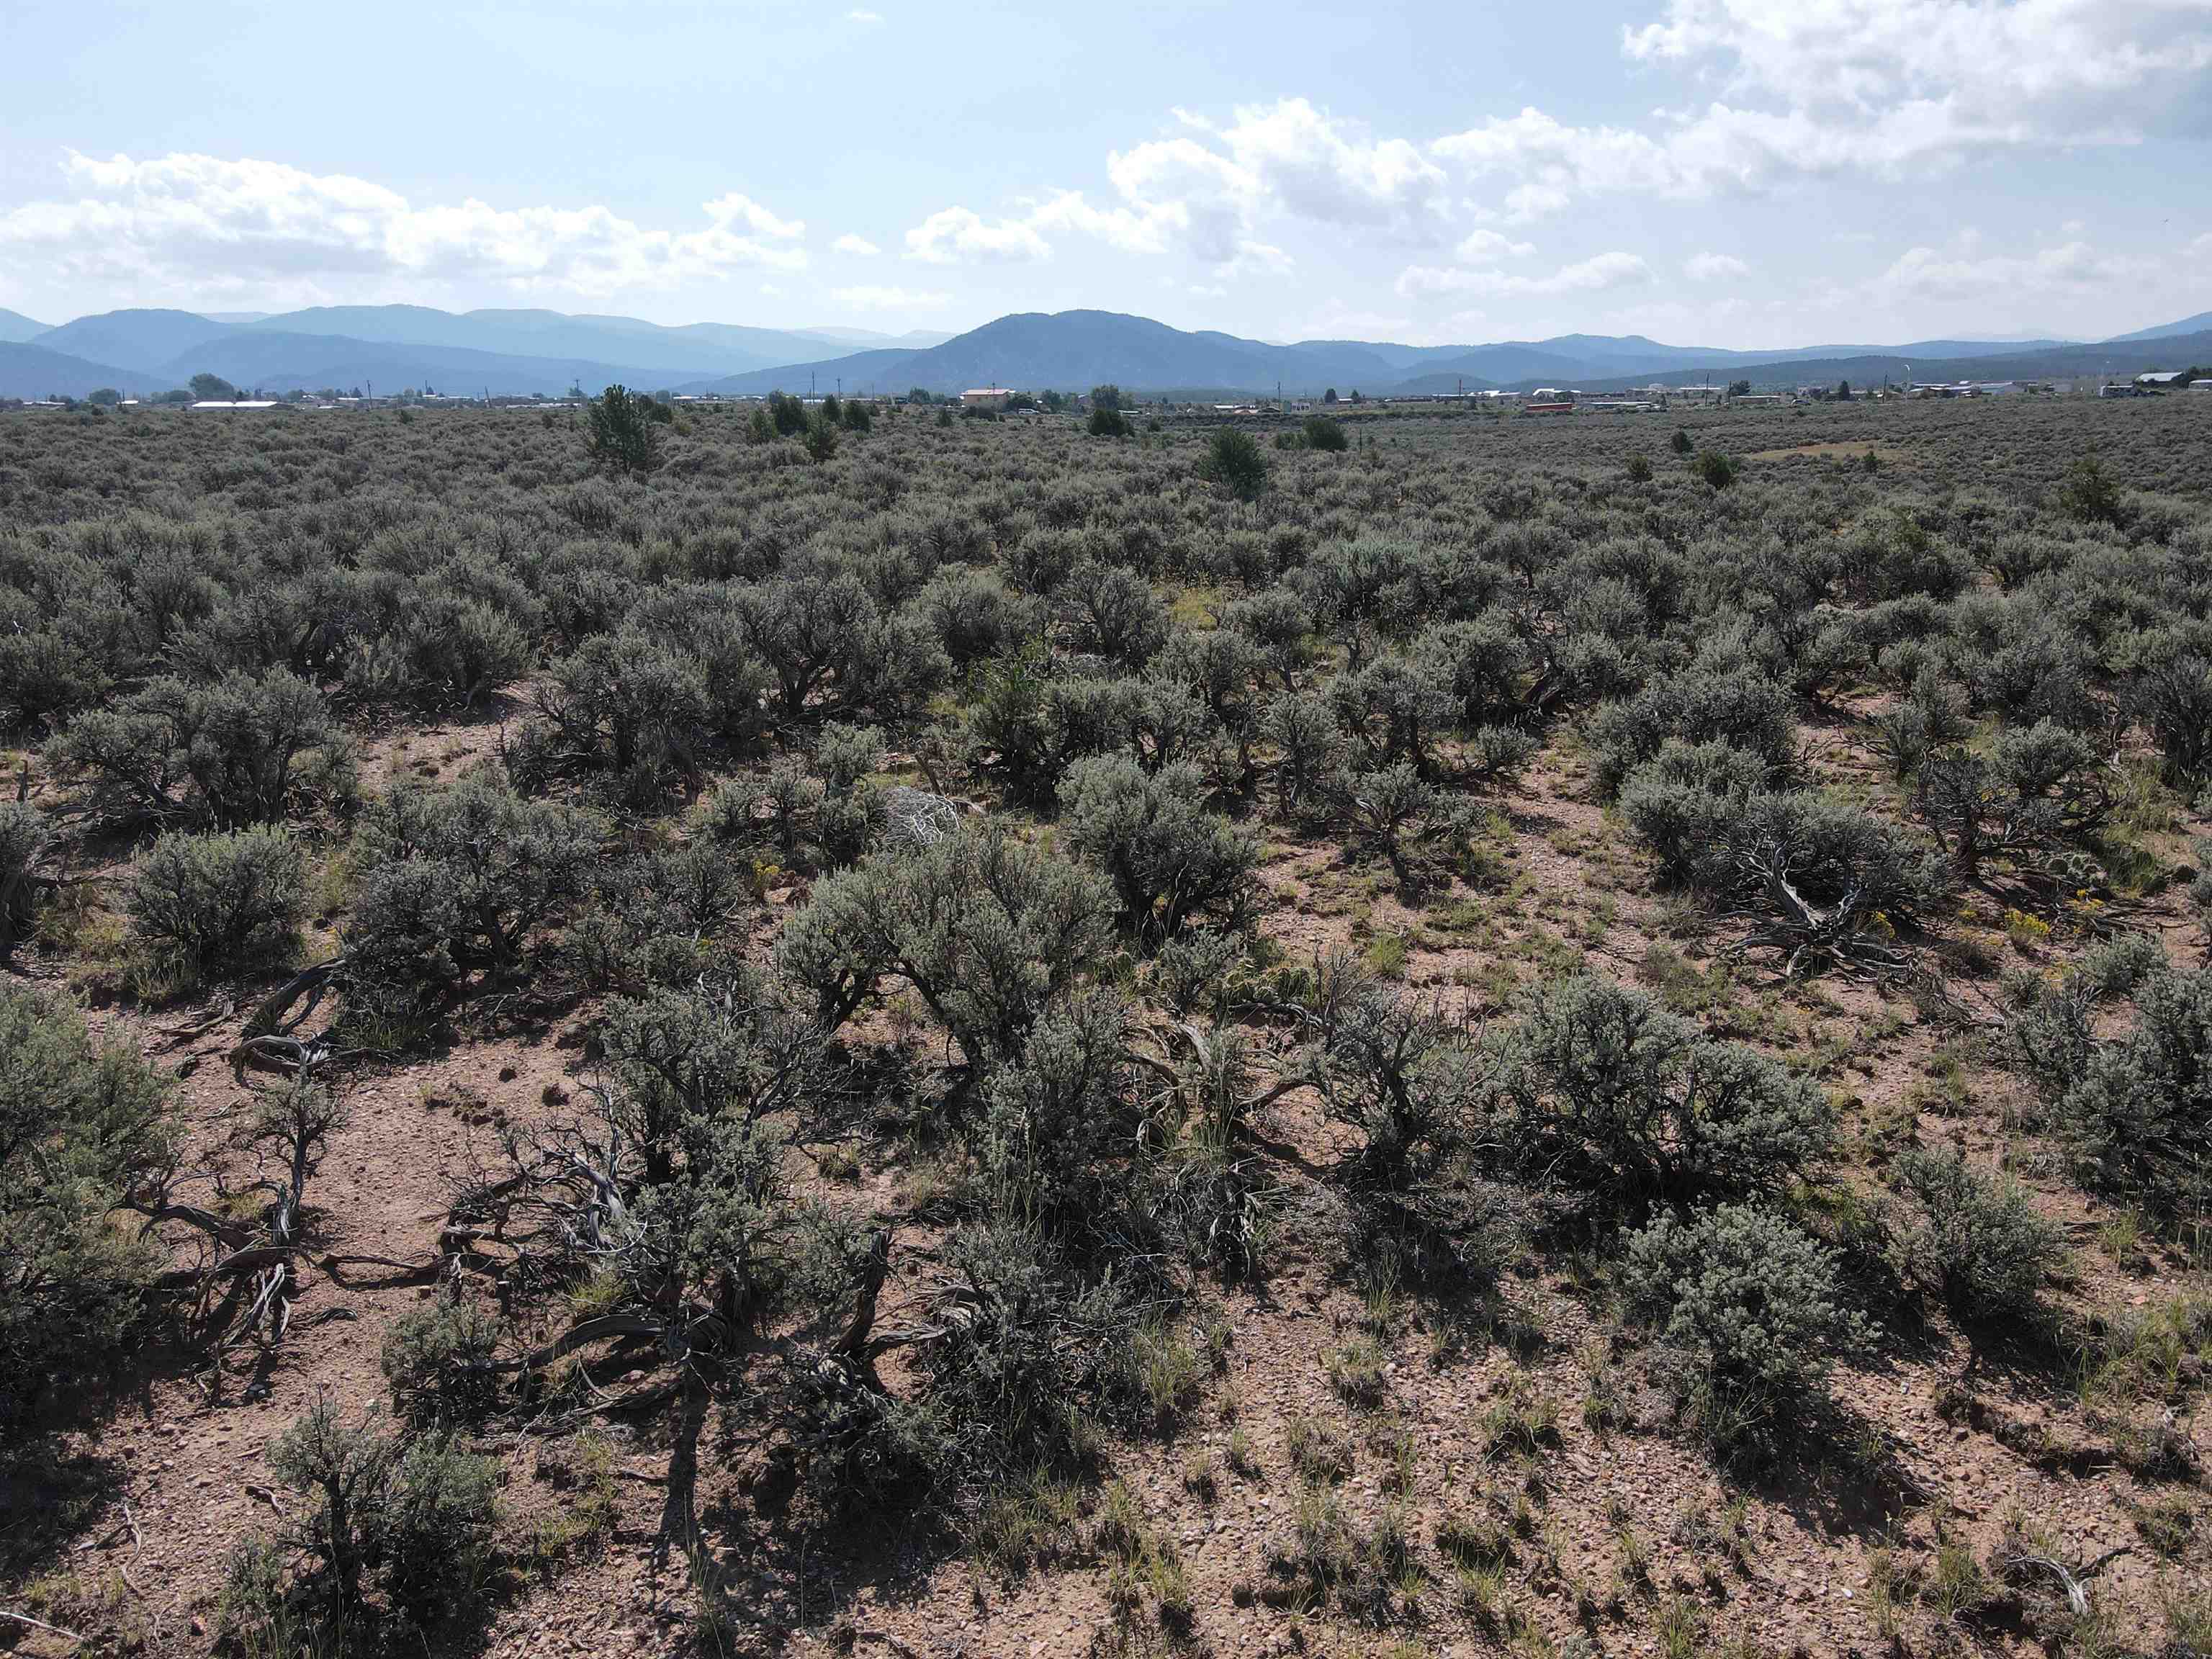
(2200, 386)
(1547, 408)
(986, 397)
(1701, 393)
(218, 403)
(1760, 399)
(2162, 377)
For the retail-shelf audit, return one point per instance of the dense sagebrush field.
(960, 1036)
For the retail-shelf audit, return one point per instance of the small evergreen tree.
(622, 434)
(1236, 463)
(1321, 433)
(2091, 494)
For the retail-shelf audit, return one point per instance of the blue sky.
(1752, 173)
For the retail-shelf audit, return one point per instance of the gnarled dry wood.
(2076, 1585)
(582, 1336)
(40, 1623)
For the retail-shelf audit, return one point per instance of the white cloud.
(1133, 230)
(1890, 88)
(1963, 274)
(757, 218)
(866, 298)
(2059, 66)
(850, 243)
(867, 18)
(1486, 247)
(1213, 190)
(1258, 259)
(1546, 166)
(1526, 201)
(1555, 161)
(1299, 163)
(1794, 88)
(202, 220)
(1595, 275)
(1714, 267)
(955, 235)
(1217, 187)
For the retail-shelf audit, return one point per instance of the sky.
(1737, 173)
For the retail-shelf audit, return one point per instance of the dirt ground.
(1616, 1523)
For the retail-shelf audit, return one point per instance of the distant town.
(208, 395)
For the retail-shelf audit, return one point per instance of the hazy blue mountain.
(733, 343)
(284, 363)
(1076, 349)
(139, 339)
(2071, 362)
(2197, 324)
(14, 326)
(884, 372)
(1346, 363)
(33, 371)
(683, 353)
(526, 350)
(918, 337)
(1398, 357)
(234, 317)
(1604, 355)
(1912, 349)
(1511, 364)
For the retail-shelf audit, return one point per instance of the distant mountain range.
(2196, 325)
(1077, 349)
(522, 352)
